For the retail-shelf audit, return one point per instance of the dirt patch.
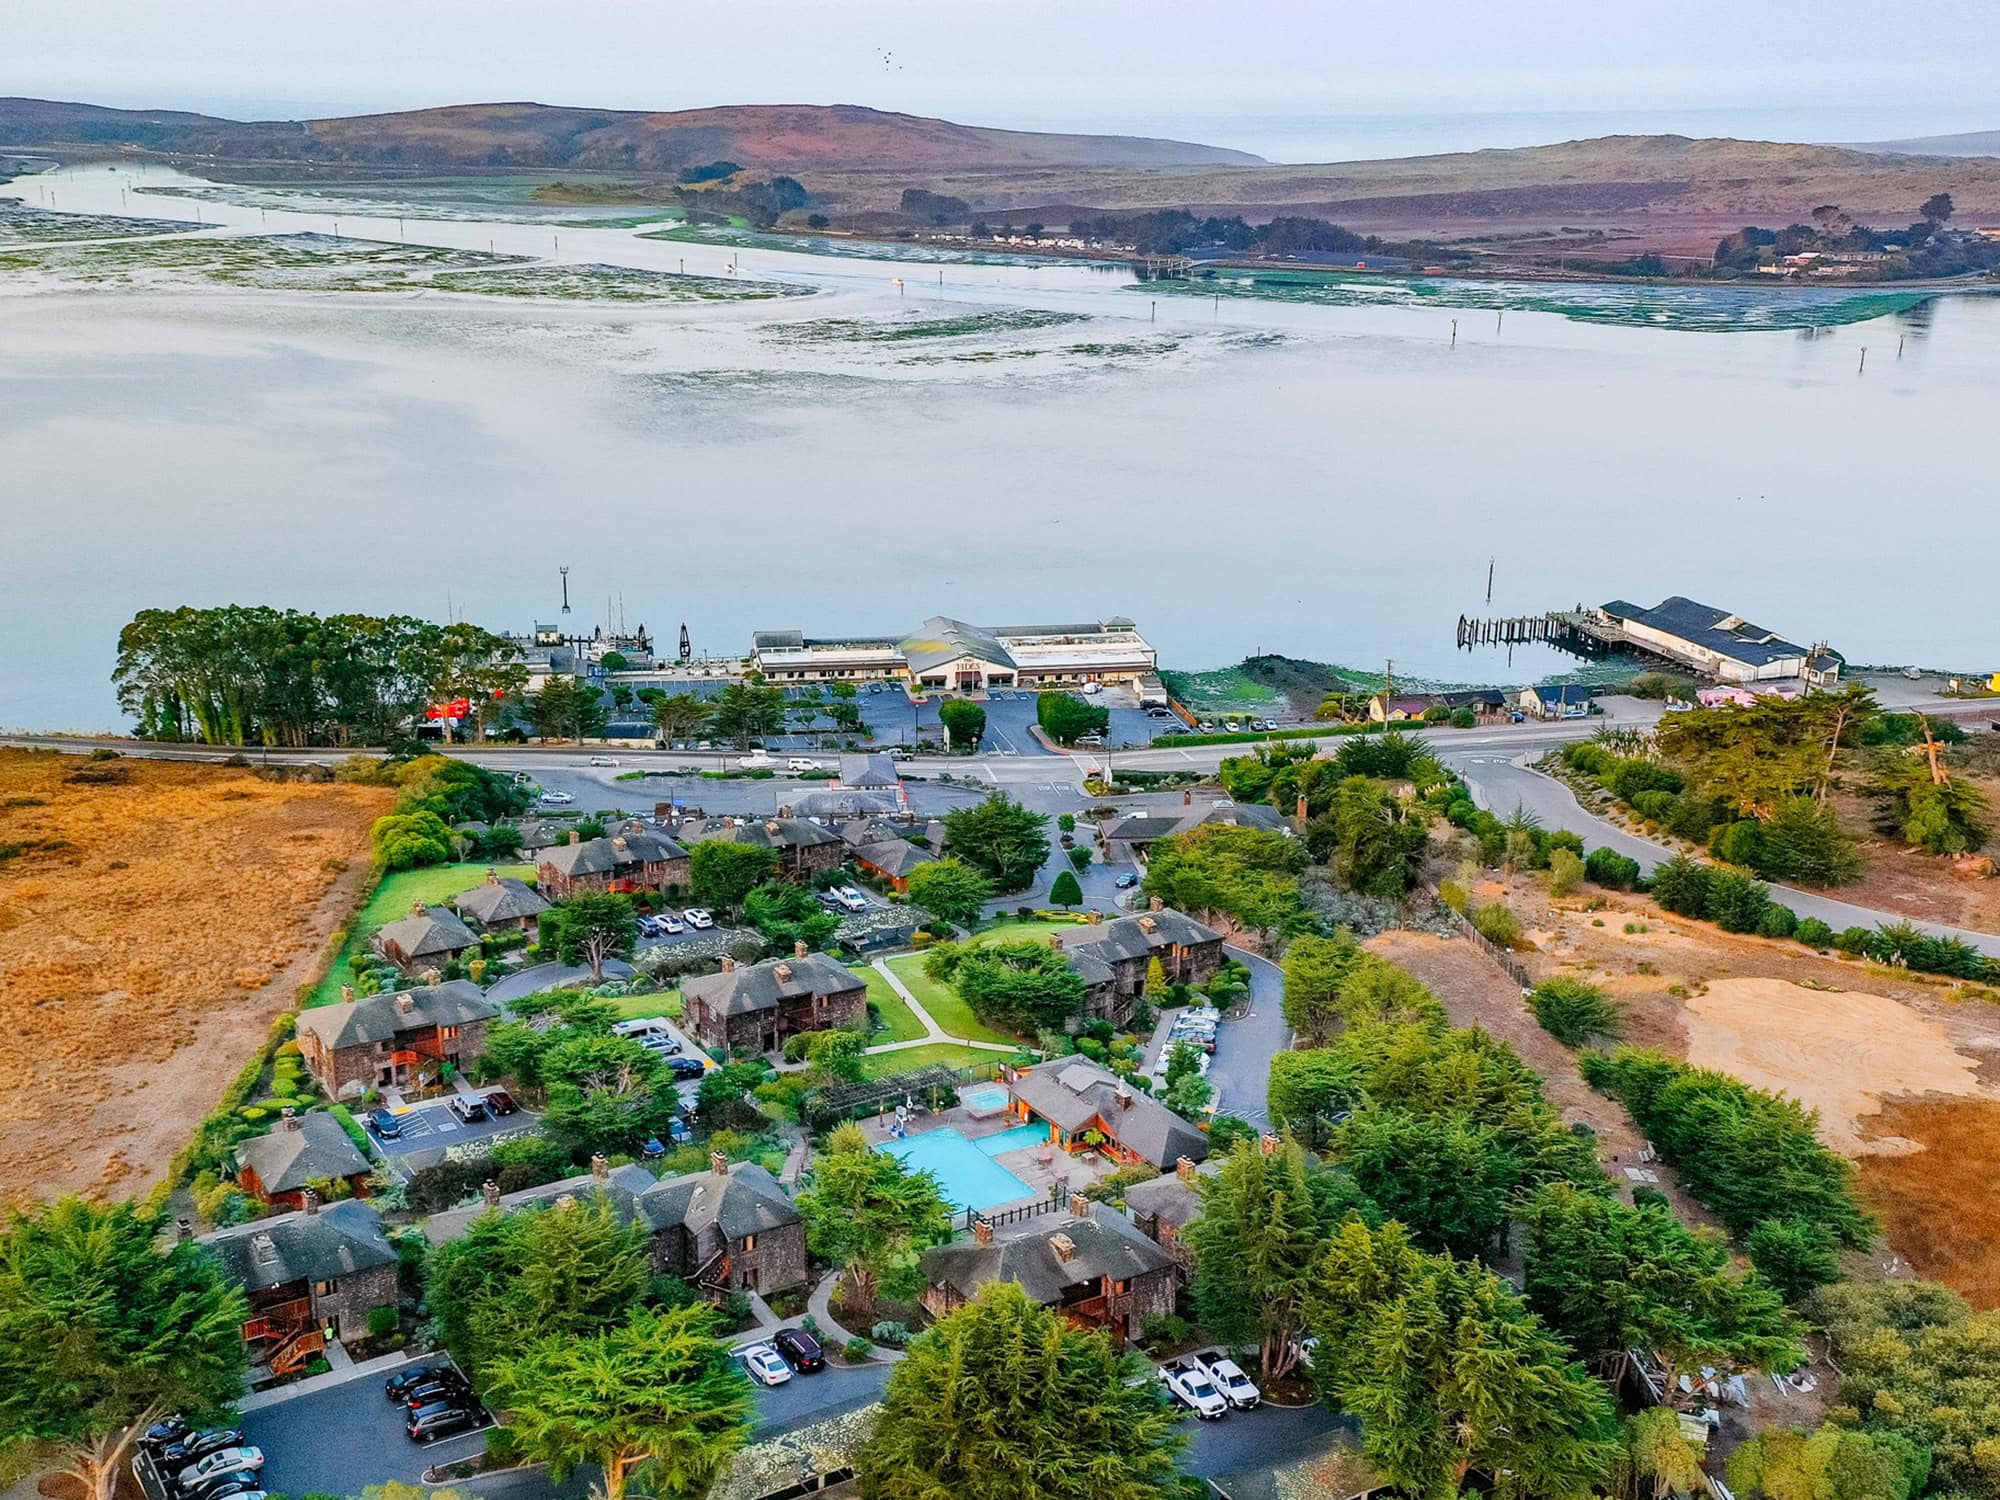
(154, 924)
(1841, 1053)
(1939, 1202)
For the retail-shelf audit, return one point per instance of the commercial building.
(951, 655)
(1715, 643)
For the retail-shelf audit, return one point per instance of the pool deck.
(1061, 1171)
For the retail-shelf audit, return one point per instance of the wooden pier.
(1583, 632)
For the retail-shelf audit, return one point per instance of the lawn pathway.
(933, 1033)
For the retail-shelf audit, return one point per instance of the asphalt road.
(342, 1439)
(1501, 785)
(1244, 1045)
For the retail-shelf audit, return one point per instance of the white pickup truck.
(1227, 1376)
(1188, 1379)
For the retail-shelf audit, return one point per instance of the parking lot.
(431, 1127)
(344, 1438)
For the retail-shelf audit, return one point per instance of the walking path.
(344, 1370)
(933, 1033)
(833, 1336)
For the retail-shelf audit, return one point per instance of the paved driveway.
(1245, 1045)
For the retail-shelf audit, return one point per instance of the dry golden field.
(154, 918)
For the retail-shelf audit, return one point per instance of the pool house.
(1085, 1107)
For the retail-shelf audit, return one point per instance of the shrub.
(1736, 903)
(1681, 886)
(1498, 925)
(1573, 1012)
(1164, 1330)
(1614, 871)
(1853, 940)
(354, 1131)
(1454, 895)
(856, 1350)
(1736, 843)
(1814, 933)
(1565, 870)
(1778, 921)
(1651, 1197)
(381, 1322)
(890, 1335)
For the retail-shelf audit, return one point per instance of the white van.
(801, 763)
(757, 761)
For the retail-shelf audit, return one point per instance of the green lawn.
(655, 1003)
(392, 900)
(879, 1064)
(946, 1008)
(1014, 929)
(899, 1022)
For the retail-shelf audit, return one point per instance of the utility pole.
(1454, 333)
(1489, 579)
(1863, 366)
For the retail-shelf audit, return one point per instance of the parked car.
(469, 1108)
(441, 1420)
(500, 1102)
(659, 1042)
(1189, 1382)
(179, 1452)
(166, 1431)
(671, 925)
(245, 1486)
(222, 1483)
(699, 918)
(227, 1460)
(757, 762)
(764, 1365)
(801, 763)
(849, 898)
(557, 799)
(683, 1068)
(1126, 881)
(399, 1386)
(801, 1350)
(448, 1385)
(604, 760)
(1228, 1377)
(678, 1132)
(638, 1027)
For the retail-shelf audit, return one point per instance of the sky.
(1292, 79)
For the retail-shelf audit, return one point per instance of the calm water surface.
(1330, 481)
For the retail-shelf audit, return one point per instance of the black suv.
(448, 1386)
(800, 1349)
(196, 1446)
(399, 1386)
(442, 1418)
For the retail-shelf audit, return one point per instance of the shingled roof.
(626, 850)
(744, 1199)
(766, 833)
(752, 987)
(302, 1150)
(894, 856)
(1070, 1094)
(1104, 1244)
(379, 1018)
(425, 932)
(1140, 936)
(501, 899)
(341, 1239)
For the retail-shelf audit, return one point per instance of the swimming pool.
(966, 1170)
(987, 1099)
(1017, 1139)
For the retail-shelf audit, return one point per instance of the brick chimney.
(728, 964)
(600, 1169)
(416, 908)
(1123, 1094)
(1148, 926)
(492, 876)
(1079, 1206)
(309, 1200)
(799, 949)
(619, 843)
(183, 1230)
(783, 973)
(1184, 1169)
(406, 1004)
(575, 837)
(1156, 904)
(1187, 799)
(490, 1191)
(347, 994)
(1064, 1247)
(718, 1164)
(1269, 1144)
(1055, 941)
(1299, 814)
(1096, 918)
(773, 827)
(290, 1117)
(982, 1231)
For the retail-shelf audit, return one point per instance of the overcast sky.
(1254, 69)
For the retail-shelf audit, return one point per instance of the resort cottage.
(428, 938)
(307, 1275)
(1094, 1267)
(729, 1228)
(305, 1149)
(1078, 1100)
(501, 904)
(395, 1040)
(1112, 957)
(635, 859)
(1165, 1206)
(755, 1007)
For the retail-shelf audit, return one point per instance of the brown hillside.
(796, 136)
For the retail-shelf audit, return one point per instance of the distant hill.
(799, 137)
(1971, 143)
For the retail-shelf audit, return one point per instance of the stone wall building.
(305, 1273)
(304, 1149)
(756, 1007)
(394, 1040)
(1112, 957)
(633, 858)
